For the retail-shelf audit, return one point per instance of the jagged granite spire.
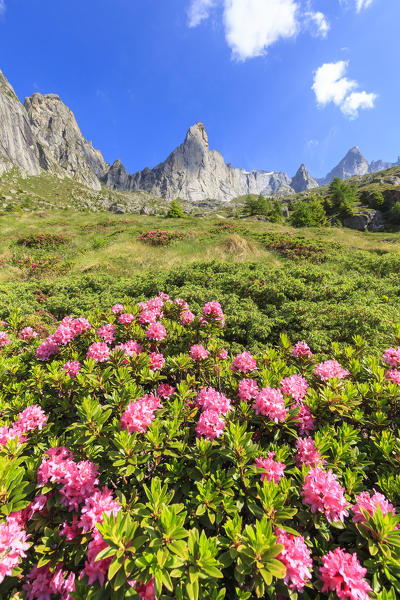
(354, 163)
(303, 180)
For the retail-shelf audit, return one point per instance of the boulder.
(117, 208)
(371, 220)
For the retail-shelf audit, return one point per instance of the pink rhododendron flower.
(32, 417)
(96, 570)
(47, 349)
(273, 469)
(330, 369)
(156, 331)
(27, 333)
(307, 454)
(147, 317)
(4, 339)
(270, 403)
(222, 354)
(393, 375)
(155, 304)
(210, 425)
(165, 390)
(244, 363)
(209, 399)
(301, 349)
(72, 367)
(213, 311)
(107, 332)
(294, 386)
(81, 325)
(70, 532)
(157, 361)
(100, 502)
(342, 574)
(140, 414)
(392, 357)
(144, 590)
(198, 352)
(304, 419)
(126, 318)
(11, 433)
(297, 559)
(370, 504)
(187, 317)
(323, 493)
(181, 303)
(41, 583)
(130, 348)
(13, 545)
(248, 389)
(117, 309)
(99, 351)
(64, 334)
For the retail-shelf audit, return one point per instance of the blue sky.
(276, 82)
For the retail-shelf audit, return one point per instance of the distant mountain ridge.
(43, 134)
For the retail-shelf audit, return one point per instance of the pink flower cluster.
(144, 590)
(323, 493)
(72, 367)
(32, 417)
(307, 454)
(99, 351)
(212, 311)
(156, 332)
(140, 414)
(342, 574)
(269, 402)
(165, 390)
(126, 318)
(157, 361)
(244, 363)
(68, 329)
(272, 469)
(210, 425)
(13, 545)
(77, 480)
(392, 357)
(370, 503)
(297, 559)
(47, 349)
(198, 352)
(147, 317)
(294, 386)
(107, 332)
(117, 309)
(100, 502)
(209, 399)
(27, 333)
(4, 339)
(393, 375)
(301, 349)
(247, 389)
(304, 419)
(41, 583)
(130, 348)
(187, 317)
(330, 369)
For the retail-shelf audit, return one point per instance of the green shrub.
(308, 213)
(175, 211)
(342, 197)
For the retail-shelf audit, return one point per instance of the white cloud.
(2, 7)
(317, 23)
(251, 26)
(356, 101)
(199, 10)
(331, 85)
(359, 5)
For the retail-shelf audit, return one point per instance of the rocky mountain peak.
(303, 180)
(354, 163)
(197, 133)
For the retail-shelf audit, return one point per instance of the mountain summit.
(43, 134)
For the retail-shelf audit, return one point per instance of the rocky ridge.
(43, 135)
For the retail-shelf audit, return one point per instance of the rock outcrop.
(18, 145)
(371, 220)
(303, 181)
(63, 149)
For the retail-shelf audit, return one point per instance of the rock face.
(368, 219)
(194, 172)
(380, 165)
(303, 181)
(63, 149)
(354, 163)
(18, 145)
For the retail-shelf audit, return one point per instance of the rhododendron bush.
(140, 458)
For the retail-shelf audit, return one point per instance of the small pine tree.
(175, 211)
(308, 213)
(250, 205)
(276, 215)
(342, 198)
